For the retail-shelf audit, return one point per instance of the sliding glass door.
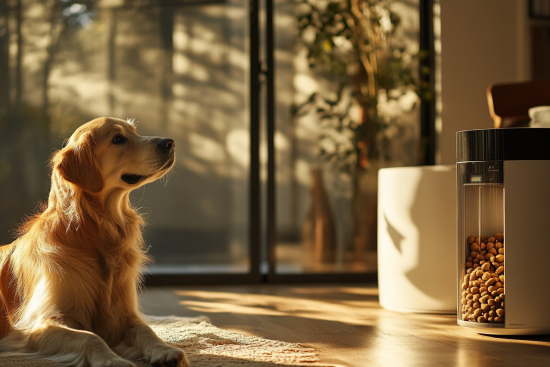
(180, 69)
(278, 128)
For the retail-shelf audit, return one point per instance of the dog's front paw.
(166, 356)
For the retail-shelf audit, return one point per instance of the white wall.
(482, 43)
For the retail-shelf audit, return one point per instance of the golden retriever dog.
(68, 284)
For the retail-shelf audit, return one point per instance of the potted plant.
(357, 45)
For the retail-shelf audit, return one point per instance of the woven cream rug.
(209, 346)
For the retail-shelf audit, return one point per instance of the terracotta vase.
(365, 213)
(318, 231)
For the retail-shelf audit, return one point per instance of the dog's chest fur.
(102, 287)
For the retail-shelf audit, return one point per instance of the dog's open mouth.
(132, 179)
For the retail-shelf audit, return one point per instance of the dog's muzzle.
(166, 147)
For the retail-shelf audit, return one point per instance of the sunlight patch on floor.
(290, 304)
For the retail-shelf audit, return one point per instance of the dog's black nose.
(166, 145)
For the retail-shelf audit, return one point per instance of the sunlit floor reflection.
(346, 325)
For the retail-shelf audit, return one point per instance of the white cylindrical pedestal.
(417, 239)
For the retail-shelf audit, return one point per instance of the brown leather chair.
(509, 104)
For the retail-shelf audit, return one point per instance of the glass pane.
(181, 73)
(346, 106)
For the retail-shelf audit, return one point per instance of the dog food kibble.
(483, 285)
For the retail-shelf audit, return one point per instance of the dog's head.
(107, 153)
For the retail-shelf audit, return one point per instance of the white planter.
(417, 239)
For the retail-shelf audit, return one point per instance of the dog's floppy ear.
(76, 163)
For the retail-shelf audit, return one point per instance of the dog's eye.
(118, 139)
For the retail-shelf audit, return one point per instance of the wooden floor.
(346, 325)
